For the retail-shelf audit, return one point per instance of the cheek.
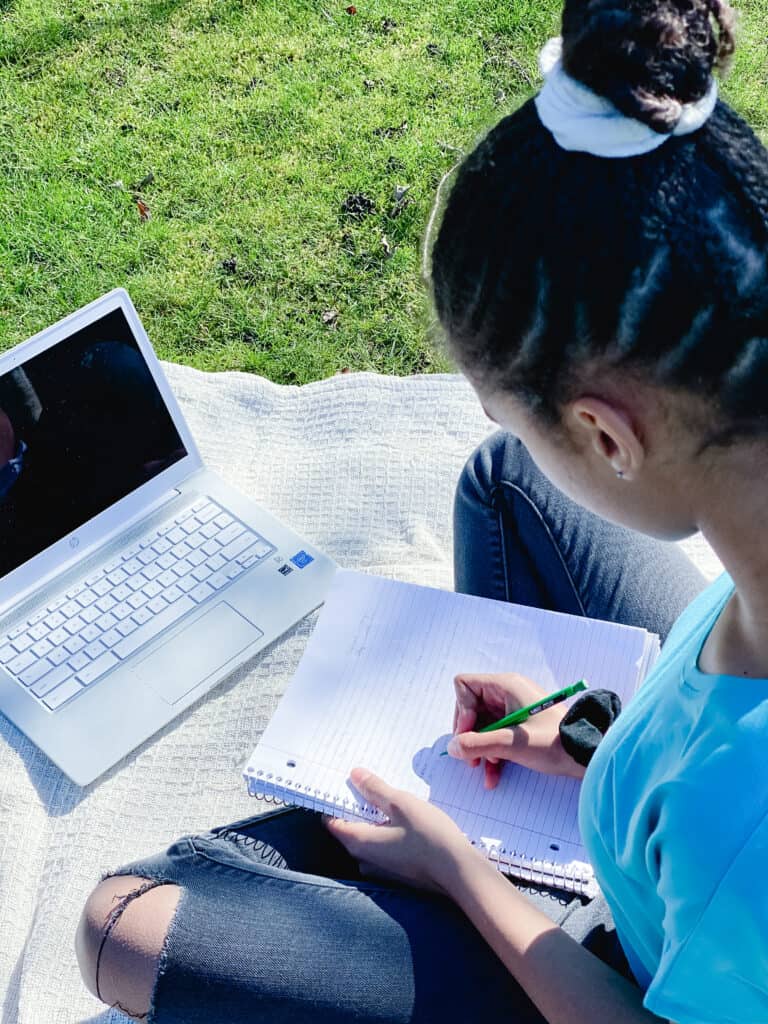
(566, 471)
(616, 501)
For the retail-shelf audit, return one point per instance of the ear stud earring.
(620, 473)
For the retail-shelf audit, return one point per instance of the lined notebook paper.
(375, 688)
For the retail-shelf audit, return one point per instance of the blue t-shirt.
(674, 815)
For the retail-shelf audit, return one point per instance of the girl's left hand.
(420, 845)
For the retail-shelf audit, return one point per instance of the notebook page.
(375, 688)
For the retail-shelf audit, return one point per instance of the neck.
(734, 525)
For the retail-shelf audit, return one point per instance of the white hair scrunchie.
(584, 122)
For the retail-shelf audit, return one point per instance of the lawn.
(257, 173)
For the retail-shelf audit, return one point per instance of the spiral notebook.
(375, 688)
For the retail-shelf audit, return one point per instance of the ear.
(610, 432)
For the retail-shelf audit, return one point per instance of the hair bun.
(648, 57)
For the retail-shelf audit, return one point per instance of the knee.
(502, 457)
(120, 939)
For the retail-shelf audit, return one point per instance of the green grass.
(245, 126)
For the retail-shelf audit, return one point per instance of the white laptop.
(132, 578)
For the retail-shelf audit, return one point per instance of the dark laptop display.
(82, 425)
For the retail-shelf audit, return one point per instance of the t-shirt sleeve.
(714, 963)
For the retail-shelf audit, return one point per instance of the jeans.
(275, 923)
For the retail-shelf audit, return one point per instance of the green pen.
(523, 714)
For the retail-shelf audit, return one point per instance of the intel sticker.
(301, 559)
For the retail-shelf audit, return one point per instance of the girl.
(601, 275)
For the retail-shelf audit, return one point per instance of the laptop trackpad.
(196, 652)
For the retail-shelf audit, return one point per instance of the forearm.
(566, 982)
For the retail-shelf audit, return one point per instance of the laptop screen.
(82, 425)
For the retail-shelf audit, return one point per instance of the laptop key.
(35, 672)
(39, 631)
(41, 648)
(55, 620)
(238, 544)
(230, 533)
(201, 591)
(7, 654)
(156, 625)
(58, 655)
(97, 668)
(51, 680)
(72, 626)
(95, 649)
(111, 637)
(22, 642)
(77, 643)
(61, 694)
(79, 661)
(21, 662)
(207, 513)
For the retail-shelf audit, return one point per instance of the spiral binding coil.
(276, 789)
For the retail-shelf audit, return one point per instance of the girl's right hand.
(482, 699)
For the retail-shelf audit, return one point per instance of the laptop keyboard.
(75, 641)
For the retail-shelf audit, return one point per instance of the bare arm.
(567, 983)
(420, 845)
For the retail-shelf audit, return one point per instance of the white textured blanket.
(365, 466)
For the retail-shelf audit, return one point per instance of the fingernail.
(453, 748)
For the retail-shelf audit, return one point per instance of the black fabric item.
(587, 721)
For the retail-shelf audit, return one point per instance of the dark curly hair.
(549, 264)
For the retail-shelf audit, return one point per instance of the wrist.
(456, 863)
